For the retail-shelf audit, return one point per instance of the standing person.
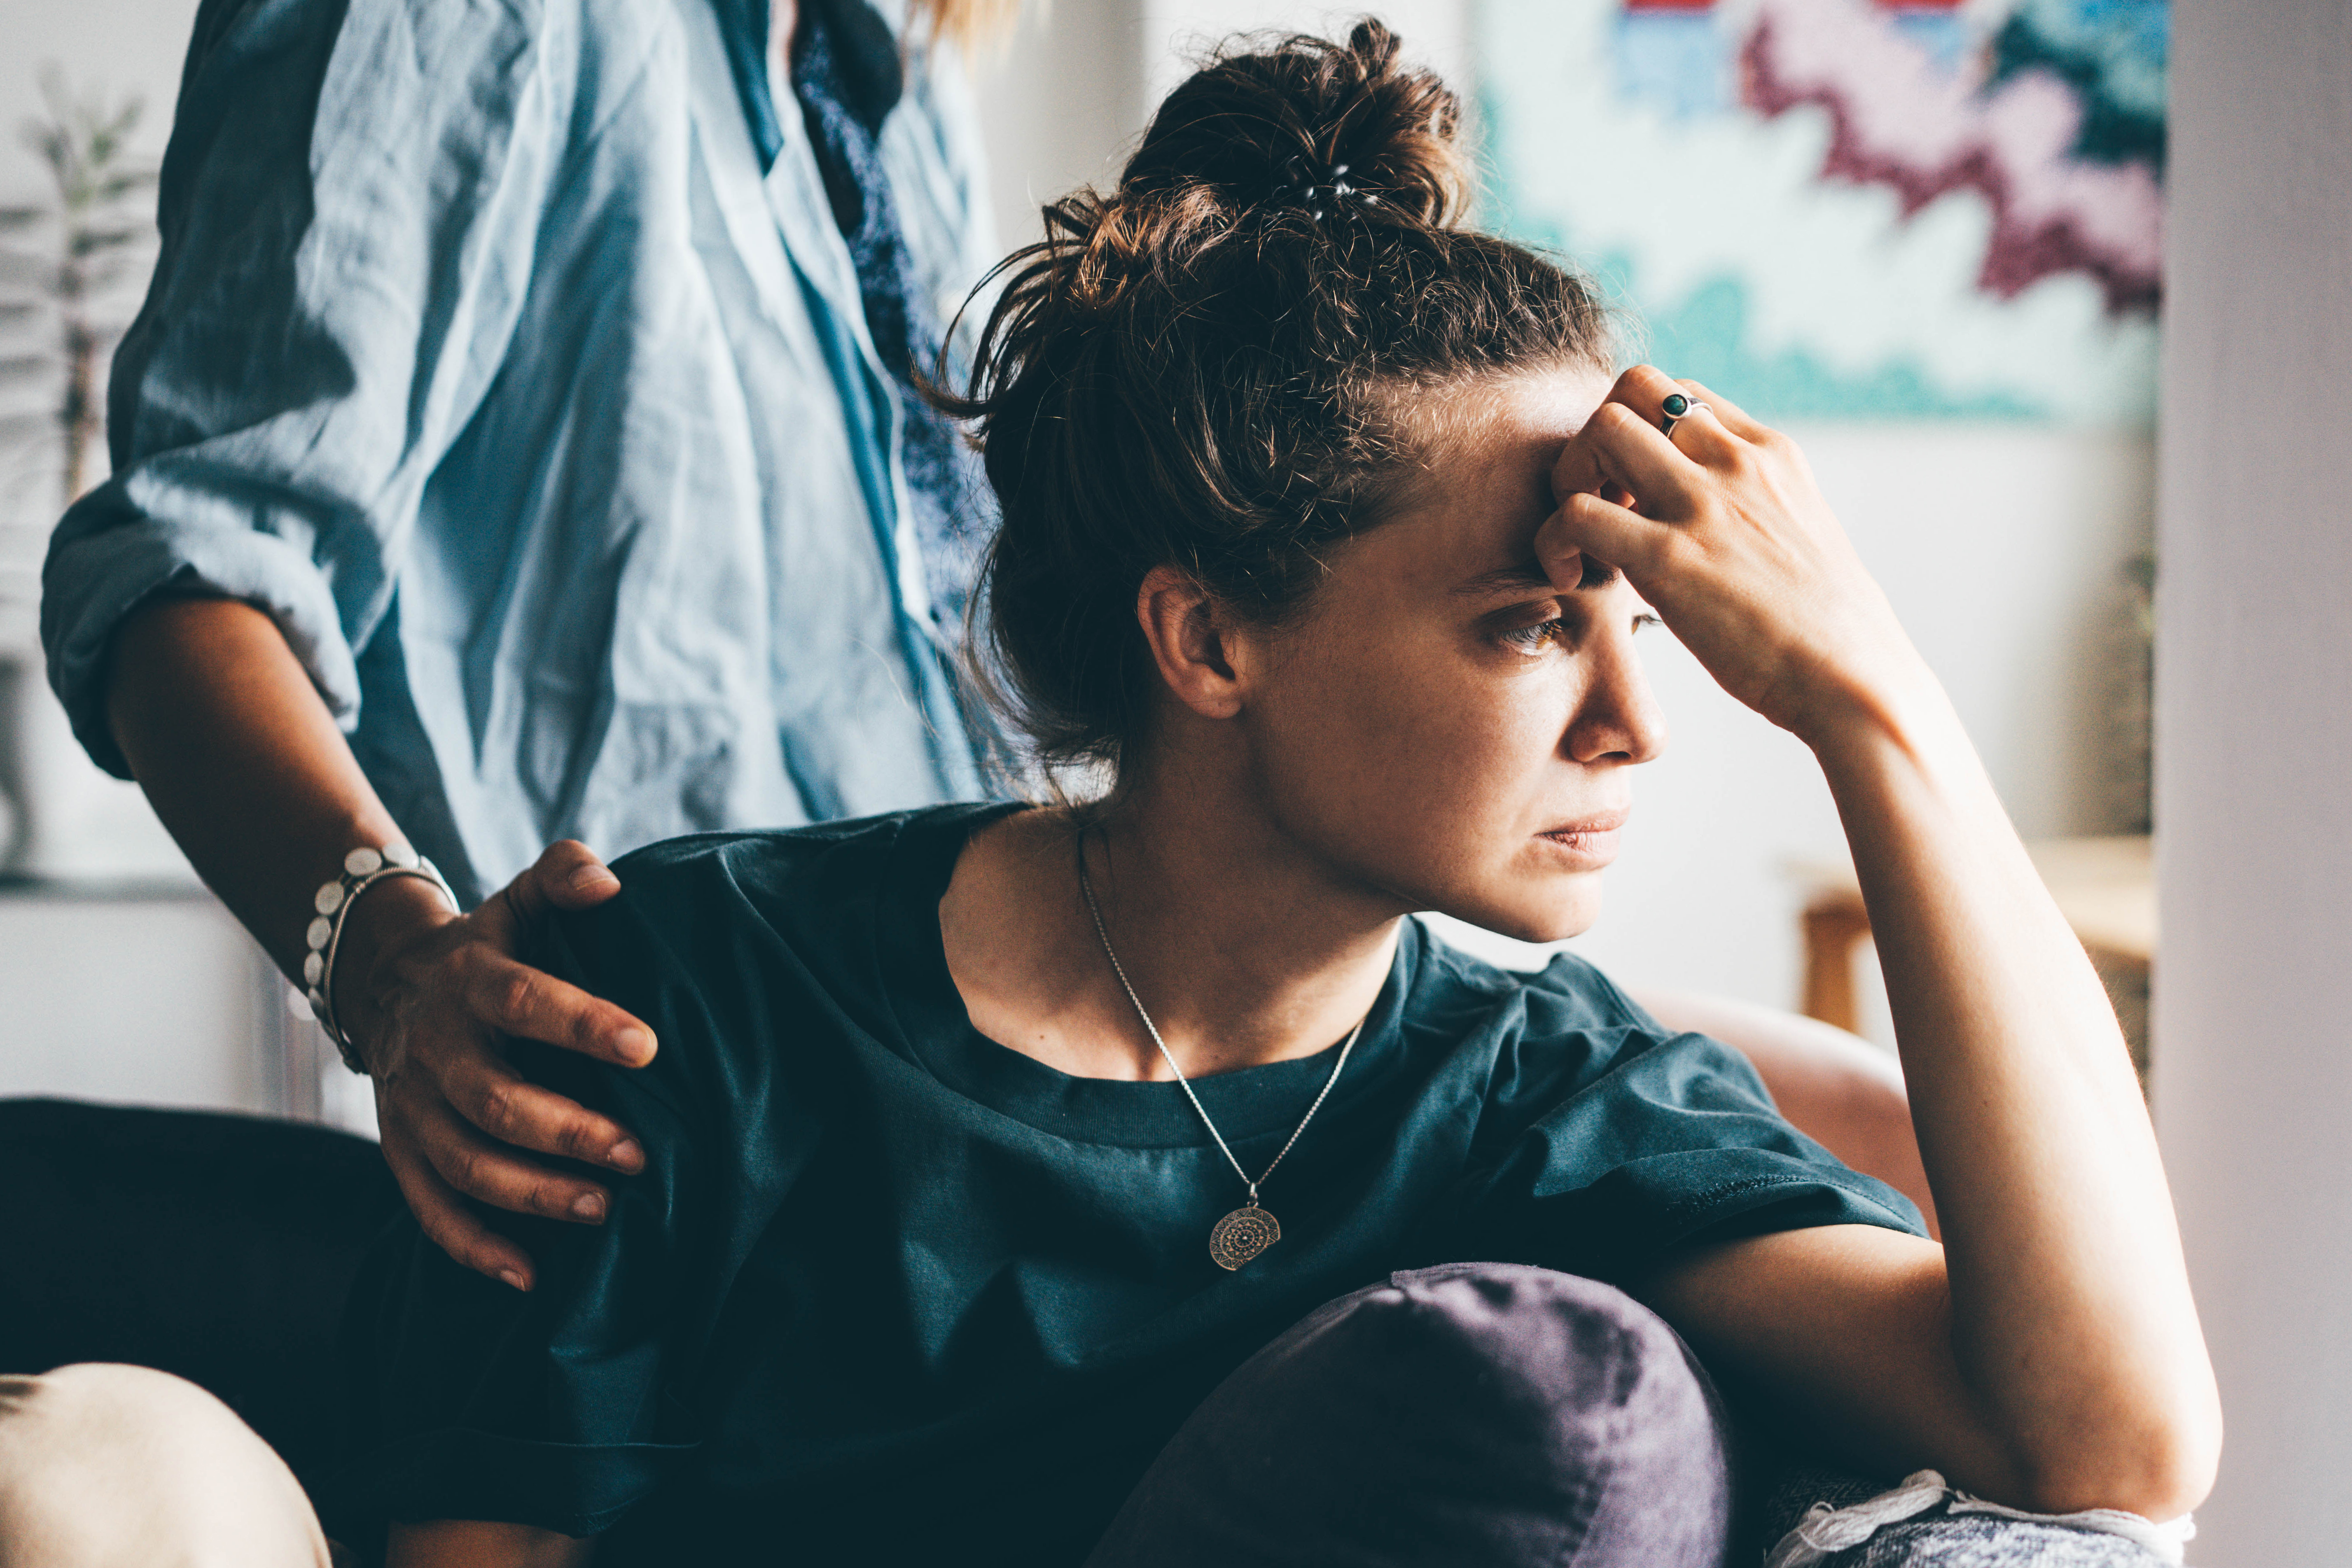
(516, 447)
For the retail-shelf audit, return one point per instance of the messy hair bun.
(1232, 143)
(1201, 368)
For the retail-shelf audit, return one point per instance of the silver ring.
(1675, 416)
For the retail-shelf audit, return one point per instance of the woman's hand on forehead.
(1720, 527)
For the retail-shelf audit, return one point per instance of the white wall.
(151, 998)
(151, 993)
(2254, 999)
(126, 46)
(94, 826)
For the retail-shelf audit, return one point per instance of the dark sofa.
(217, 1247)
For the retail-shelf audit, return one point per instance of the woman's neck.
(1242, 943)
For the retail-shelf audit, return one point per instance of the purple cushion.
(1475, 1413)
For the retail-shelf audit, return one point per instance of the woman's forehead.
(1485, 456)
(1467, 420)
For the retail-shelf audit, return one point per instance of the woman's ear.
(1191, 639)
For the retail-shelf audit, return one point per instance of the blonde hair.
(966, 24)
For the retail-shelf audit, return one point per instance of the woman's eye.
(1531, 639)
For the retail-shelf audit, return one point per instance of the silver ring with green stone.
(1677, 408)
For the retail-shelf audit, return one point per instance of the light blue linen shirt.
(484, 357)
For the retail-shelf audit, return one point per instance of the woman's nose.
(1619, 717)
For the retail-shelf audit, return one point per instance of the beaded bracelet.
(362, 869)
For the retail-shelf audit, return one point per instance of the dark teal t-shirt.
(888, 1291)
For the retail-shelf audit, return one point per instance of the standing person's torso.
(665, 581)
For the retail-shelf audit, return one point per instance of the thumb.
(568, 874)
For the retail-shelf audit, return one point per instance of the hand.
(425, 995)
(1723, 530)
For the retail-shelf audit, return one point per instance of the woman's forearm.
(2071, 1319)
(241, 759)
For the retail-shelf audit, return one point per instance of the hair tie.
(1318, 187)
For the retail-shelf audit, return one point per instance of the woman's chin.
(1548, 911)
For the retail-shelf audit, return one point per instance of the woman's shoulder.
(759, 866)
(728, 922)
(1564, 1030)
(1567, 993)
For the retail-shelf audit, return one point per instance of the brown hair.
(1200, 368)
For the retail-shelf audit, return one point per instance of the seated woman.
(1133, 1179)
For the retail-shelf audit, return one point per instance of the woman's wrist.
(1889, 700)
(389, 919)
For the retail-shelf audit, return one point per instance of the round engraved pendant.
(1241, 1235)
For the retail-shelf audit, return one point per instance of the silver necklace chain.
(1086, 886)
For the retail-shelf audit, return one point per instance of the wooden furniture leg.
(1834, 927)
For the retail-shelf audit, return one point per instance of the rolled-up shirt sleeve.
(349, 207)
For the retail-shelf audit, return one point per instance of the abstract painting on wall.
(1852, 209)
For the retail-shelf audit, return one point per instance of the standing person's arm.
(350, 208)
(245, 765)
(2049, 1352)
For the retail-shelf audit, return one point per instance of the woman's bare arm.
(245, 765)
(2050, 1355)
(473, 1543)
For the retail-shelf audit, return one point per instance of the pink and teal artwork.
(1852, 209)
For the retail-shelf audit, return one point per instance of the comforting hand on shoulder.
(1721, 527)
(428, 996)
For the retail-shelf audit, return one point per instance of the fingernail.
(588, 1206)
(590, 877)
(635, 1046)
(514, 1279)
(625, 1153)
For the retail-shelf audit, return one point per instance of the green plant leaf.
(92, 242)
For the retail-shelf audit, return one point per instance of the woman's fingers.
(1603, 530)
(1618, 450)
(511, 1109)
(1730, 415)
(515, 998)
(457, 1120)
(523, 1002)
(442, 1215)
(474, 1165)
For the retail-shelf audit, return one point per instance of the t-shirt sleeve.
(1614, 1140)
(564, 1406)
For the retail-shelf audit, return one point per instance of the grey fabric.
(1489, 1414)
(1788, 1480)
(1933, 1541)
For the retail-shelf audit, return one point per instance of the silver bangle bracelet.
(362, 869)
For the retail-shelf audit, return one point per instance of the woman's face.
(1446, 726)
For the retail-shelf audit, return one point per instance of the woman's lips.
(1589, 843)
